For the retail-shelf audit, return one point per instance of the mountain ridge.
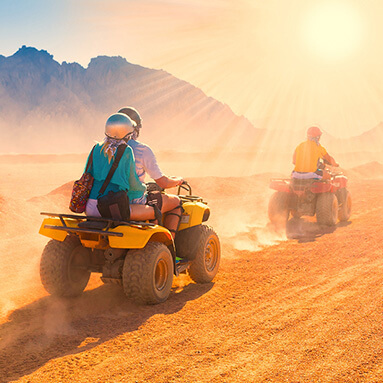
(60, 101)
(62, 108)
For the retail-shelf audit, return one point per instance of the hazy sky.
(281, 63)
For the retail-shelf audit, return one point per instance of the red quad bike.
(328, 199)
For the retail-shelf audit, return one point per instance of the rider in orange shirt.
(307, 155)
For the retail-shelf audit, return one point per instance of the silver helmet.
(119, 126)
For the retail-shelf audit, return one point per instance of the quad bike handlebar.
(153, 186)
(186, 187)
(332, 170)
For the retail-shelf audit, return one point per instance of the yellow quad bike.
(140, 256)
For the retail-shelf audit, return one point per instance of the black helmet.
(133, 114)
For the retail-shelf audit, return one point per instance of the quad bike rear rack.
(93, 225)
(104, 224)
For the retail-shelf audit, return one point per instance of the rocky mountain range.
(48, 107)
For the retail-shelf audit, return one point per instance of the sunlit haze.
(283, 65)
(226, 90)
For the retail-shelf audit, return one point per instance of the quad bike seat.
(88, 224)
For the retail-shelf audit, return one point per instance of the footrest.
(115, 281)
(181, 266)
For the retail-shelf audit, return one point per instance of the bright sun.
(333, 30)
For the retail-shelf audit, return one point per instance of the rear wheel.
(207, 258)
(295, 214)
(278, 209)
(147, 274)
(345, 201)
(327, 209)
(64, 267)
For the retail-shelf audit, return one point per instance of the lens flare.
(333, 30)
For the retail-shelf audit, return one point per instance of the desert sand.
(304, 305)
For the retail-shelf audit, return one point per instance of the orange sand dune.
(301, 306)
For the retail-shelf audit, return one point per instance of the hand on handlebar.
(184, 185)
(179, 181)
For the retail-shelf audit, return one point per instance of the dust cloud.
(238, 214)
(32, 184)
(20, 220)
(20, 254)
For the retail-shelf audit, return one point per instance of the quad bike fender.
(339, 182)
(58, 235)
(194, 214)
(137, 238)
(282, 185)
(126, 237)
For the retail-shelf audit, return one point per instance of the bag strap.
(90, 160)
(120, 152)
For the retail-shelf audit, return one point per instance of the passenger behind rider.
(146, 163)
(307, 156)
(118, 130)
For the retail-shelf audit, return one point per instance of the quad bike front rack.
(189, 196)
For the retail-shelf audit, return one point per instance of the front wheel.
(327, 209)
(208, 255)
(64, 267)
(147, 274)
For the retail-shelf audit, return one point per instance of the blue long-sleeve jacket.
(124, 178)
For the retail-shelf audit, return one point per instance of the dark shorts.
(154, 198)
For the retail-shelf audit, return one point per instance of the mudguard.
(194, 214)
(281, 185)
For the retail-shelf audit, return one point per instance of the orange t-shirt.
(307, 155)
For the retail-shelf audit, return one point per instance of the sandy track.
(308, 309)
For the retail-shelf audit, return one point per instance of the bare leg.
(141, 212)
(170, 204)
(171, 221)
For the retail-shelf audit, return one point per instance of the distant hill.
(370, 141)
(368, 170)
(49, 107)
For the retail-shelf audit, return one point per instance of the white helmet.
(118, 126)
